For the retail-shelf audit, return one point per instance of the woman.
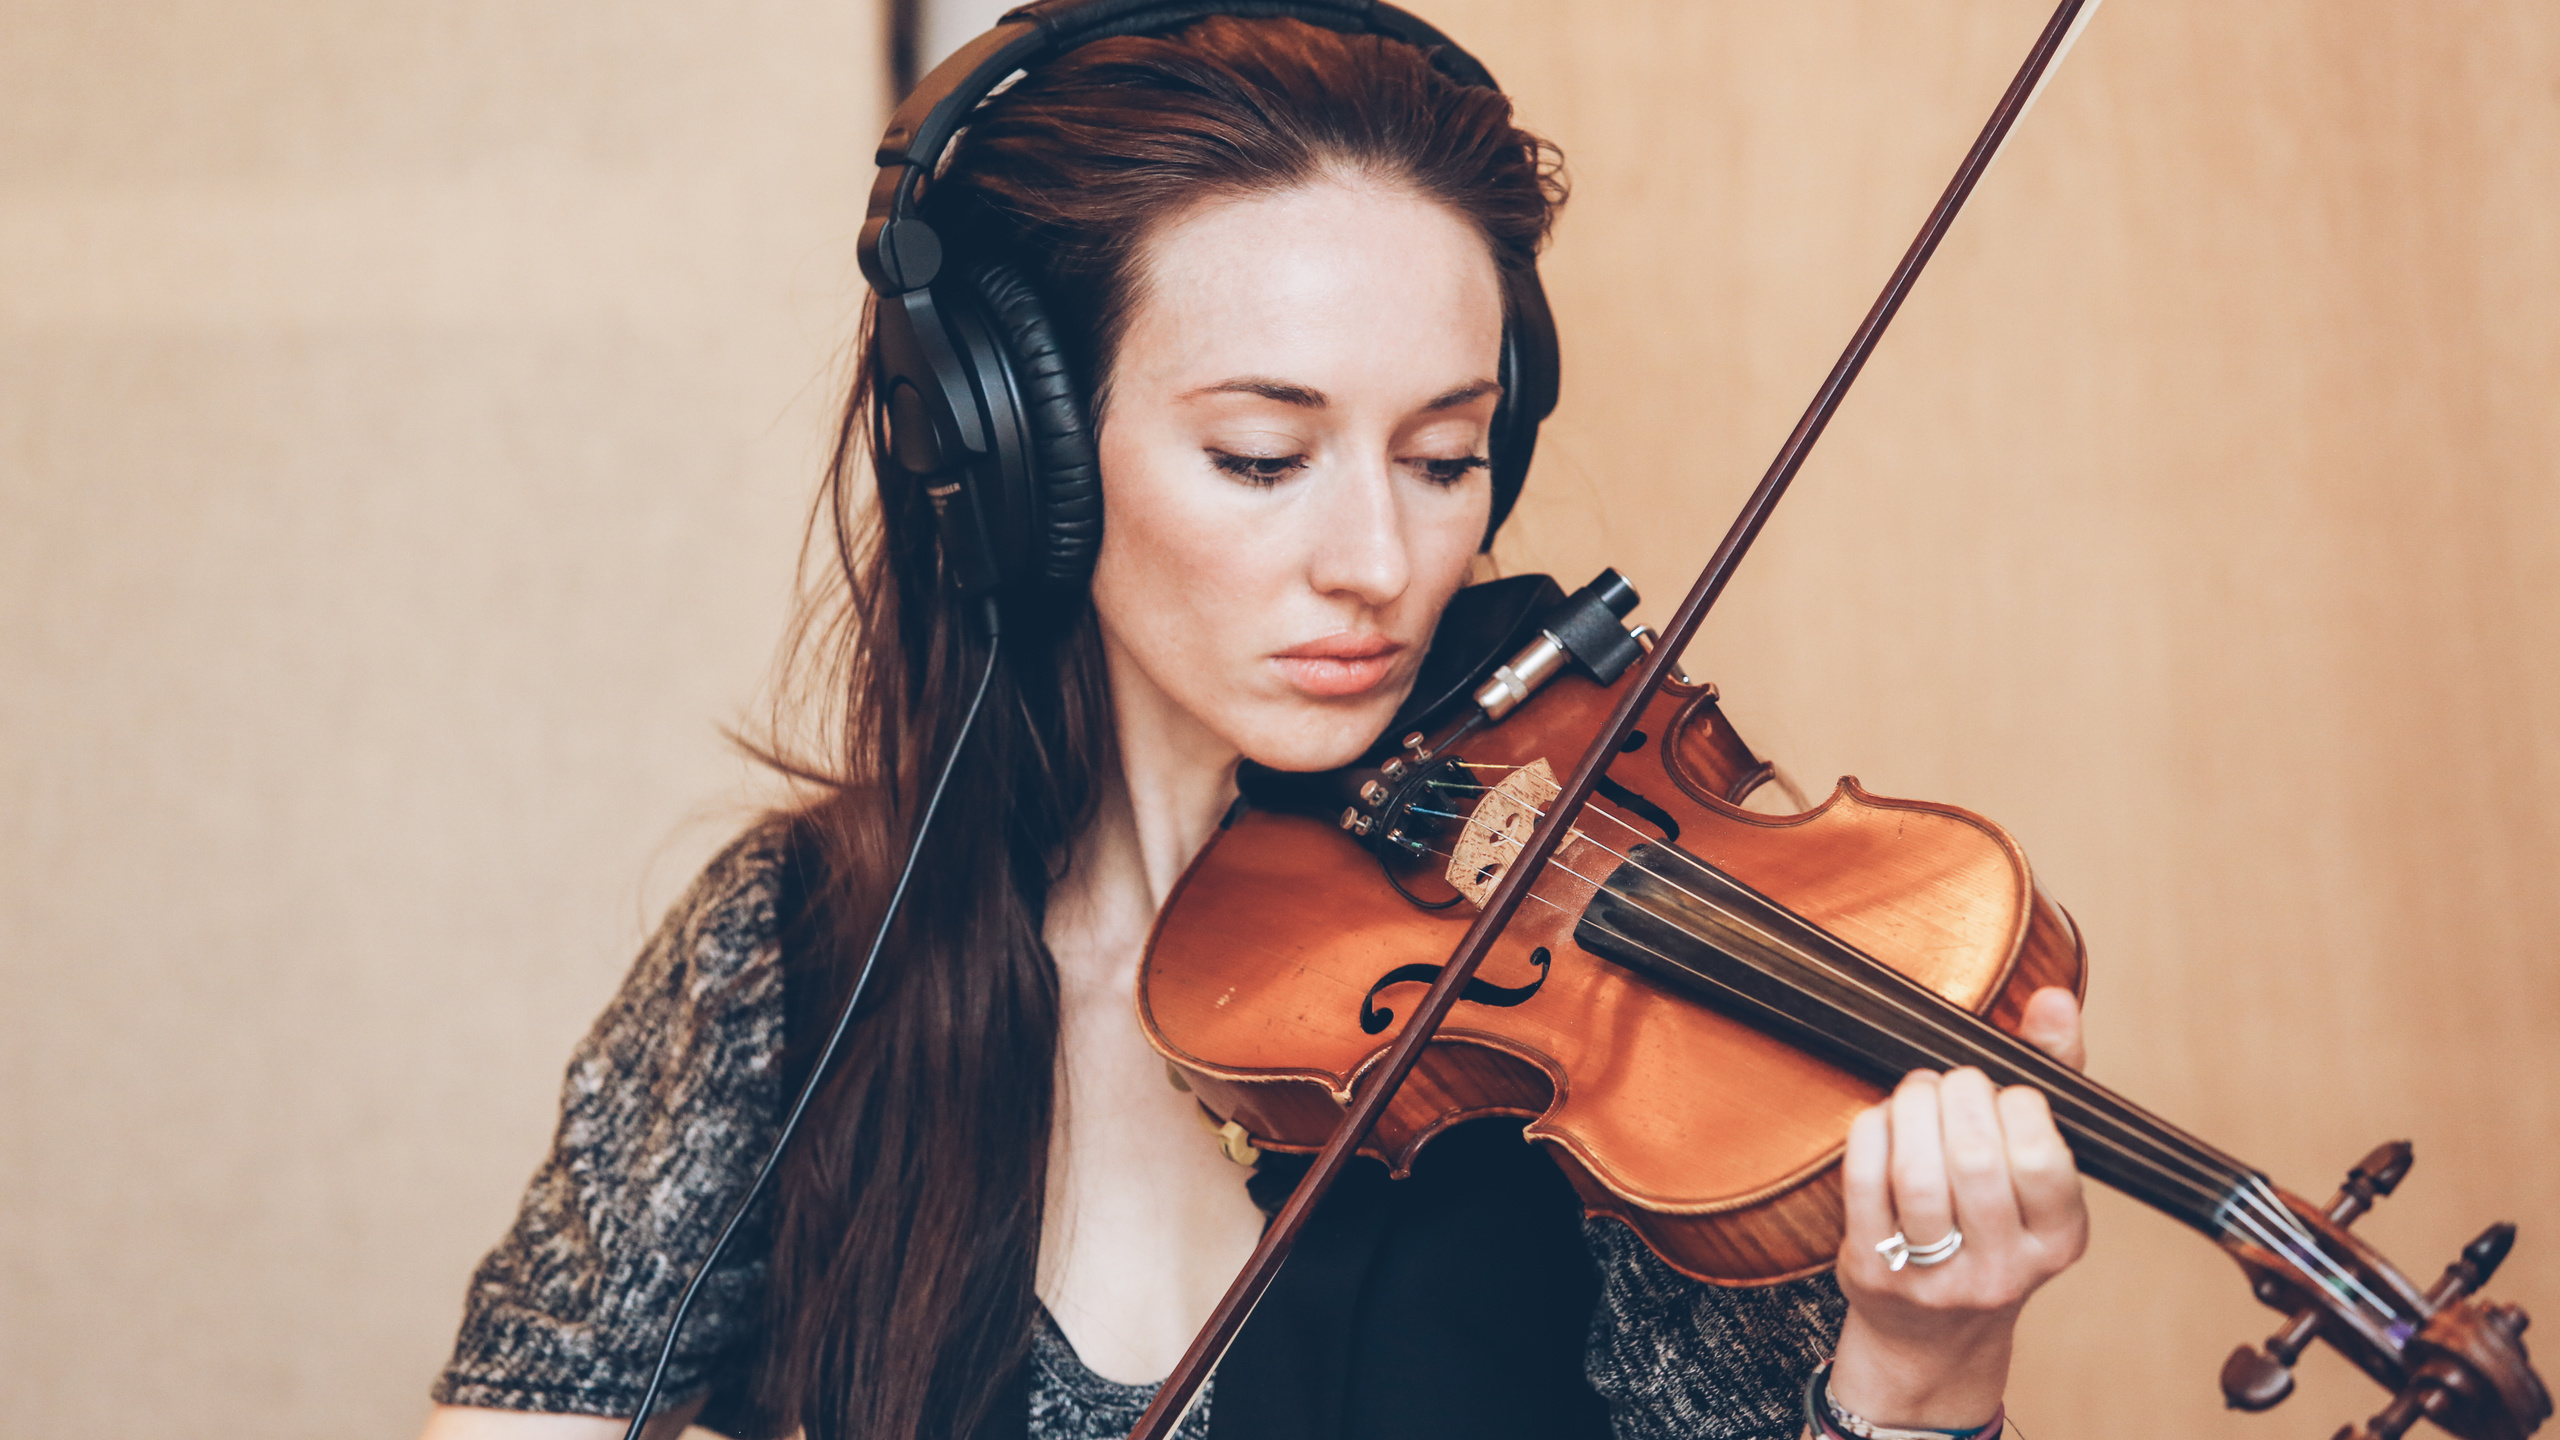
(1282, 255)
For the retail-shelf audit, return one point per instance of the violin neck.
(1693, 929)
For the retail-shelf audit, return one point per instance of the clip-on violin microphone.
(1499, 643)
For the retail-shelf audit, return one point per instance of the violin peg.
(2385, 1166)
(2484, 1255)
(2254, 1380)
(2369, 1179)
(2479, 1260)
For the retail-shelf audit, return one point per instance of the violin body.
(1275, 969)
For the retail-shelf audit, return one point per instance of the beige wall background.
(406, 418)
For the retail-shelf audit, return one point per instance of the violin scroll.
(2461, 1364)
(2260, 1379)
(2472, 1376)
(2469, 1372)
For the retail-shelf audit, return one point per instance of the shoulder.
(715, 962)
(686, 1057)
(730, 919)
(685, 1062)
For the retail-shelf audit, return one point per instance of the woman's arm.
(1927, 1347)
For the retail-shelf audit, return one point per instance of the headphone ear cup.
(1066, 477)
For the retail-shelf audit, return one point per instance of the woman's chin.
(1312, 737)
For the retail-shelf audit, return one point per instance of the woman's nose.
(1358, 541)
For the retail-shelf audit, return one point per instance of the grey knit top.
(675, 1094)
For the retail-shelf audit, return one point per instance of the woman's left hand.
(1927, 1346)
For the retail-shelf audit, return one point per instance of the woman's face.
(1293, 467)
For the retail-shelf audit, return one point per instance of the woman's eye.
(1257, 469)
(1450, 472)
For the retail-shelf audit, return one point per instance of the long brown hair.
(907, 1224)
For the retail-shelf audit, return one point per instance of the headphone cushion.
(1066, 477)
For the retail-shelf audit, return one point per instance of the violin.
(1546, 900)
(1698, 997)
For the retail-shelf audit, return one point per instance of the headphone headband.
(899, 252)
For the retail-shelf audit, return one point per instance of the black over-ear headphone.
(982, 409)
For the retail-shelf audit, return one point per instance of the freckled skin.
(1376, 300)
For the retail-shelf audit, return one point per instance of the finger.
(1977, 1152)
(2046, 1182)
(1923, 1210)
(1866, 1195)
(2052, 1024)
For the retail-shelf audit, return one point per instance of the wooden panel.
(2199, 522)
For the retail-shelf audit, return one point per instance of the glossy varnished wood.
(1717, 1143)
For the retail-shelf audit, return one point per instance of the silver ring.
(1898, 1252)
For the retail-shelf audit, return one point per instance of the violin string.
(2218, 1185)
(2202, 1192)
(2166, 1177)
(2235, 1200)
(2213, 1188)
(1558, 907)
(2238, 1201)
(2303, 1254)
(2340, 1282)
(2256, 1194)
(2222, 1183)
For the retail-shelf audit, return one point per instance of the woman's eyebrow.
(1466, 394)
(1304, 396)
(1307, 397)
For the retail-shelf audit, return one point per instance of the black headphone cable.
(835, 1037)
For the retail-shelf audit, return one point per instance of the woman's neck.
(1173, 781)
(1144, 1217)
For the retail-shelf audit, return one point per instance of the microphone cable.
(835, 1037)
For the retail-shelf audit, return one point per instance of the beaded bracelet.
(1825, 1420)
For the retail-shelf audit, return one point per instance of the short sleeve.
(1679, 1359)
(669, 1103)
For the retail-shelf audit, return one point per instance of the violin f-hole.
(1374, 1018)
(1627, 799)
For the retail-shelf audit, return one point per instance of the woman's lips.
(1339, 665)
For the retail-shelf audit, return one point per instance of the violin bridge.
(1497, 828)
